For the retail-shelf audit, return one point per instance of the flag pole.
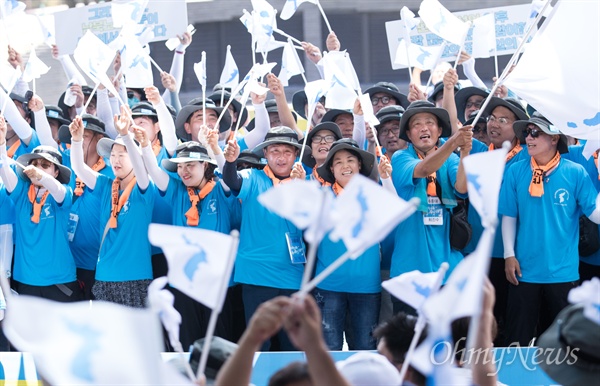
(287, 36)
(214, 314)
(422, 322)
(233, 93)
(324, 16)
(406, 43)
(437, 61)
(462, 45)
(222, 86)
(237, 123)
(513, 58)
(312, 252)
(326, 272)
(155, 64)
(90, 97)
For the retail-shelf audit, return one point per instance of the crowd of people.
(82, 181)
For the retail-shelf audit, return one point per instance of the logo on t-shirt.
(46, 212)
(561, 197)
(212, 206)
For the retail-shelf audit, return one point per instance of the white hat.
(369, 369)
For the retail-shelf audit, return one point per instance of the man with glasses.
(540, 201)
(479, 128)
(388, 130)
(386, 94)
(469, 99)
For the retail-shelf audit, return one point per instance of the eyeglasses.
(387, 131)
(533, 132)
(473, 104)
(327, 138)
(384, 100)
(502, 121)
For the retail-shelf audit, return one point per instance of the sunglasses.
(533, 132)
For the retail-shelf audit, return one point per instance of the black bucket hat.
(56, 113)
(90, 122)
(368, 167)
(49, 154)
(331, 115)
(461, 97)
(546, 126)
(510, 103)
(389, 88)
(195, 105)
(271, 107)
(425, 107)
(389, 113)
(143, 109)
(438, 88)
(299, 101)
(247, 156)
(482, 118)
(308, 159)
(280, 135)
(187, 152)
(237, 106)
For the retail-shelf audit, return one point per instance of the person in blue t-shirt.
(43, 264)
(320, 140)
(353, 289)
(20, 136)
(124, 268)
(540, 201)
(435, 175)
(267, 264)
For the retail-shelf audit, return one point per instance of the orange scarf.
(276, 181)
(596, 161)
(79, 185)
(37, 206)
(536, 188)
(431, 188)
(118, 202)
(317, 177)
(192, 215)
(13, 149)
(513, 152)
(337, 188)
(156, 147)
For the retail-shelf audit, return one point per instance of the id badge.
(435, 212)
(296, 248)
(72, 226)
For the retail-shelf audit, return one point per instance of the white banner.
(168, 18)
(510, 24)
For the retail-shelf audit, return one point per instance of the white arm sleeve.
(321, 68)
(139, 169)
(83, 172)
(56, 189)
(7, 174)
(6, 247)
(104, 112)
(261, 127)
(42, 127)
(471, 74)
(595, 215)
(159, 176)
(167, 127)
(509, 235)
(359, 133)
(70, 69)
(13, 116)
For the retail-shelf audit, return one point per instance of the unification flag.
(94, 58)
(127, 11)
(290, 7)
(442, 22)
(413, 287)
(200, 70)
(230, 76)
(484, 36)
(136, 64)
(290, 64)
(425, 58)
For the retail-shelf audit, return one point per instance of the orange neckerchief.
(79, 185)
(13, 149)
(536, 188)
(276, 181)
(192, 215)
(337, 188)
(118, 202)
(513, 152)
(319, 178)
(431, 189)
(37, 206)
(596, 161)
(156, 147)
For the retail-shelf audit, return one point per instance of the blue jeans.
(253, 296)
(363, 310)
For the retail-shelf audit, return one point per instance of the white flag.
(105, 344)
(127, 11)
(94, 58)
(434, 357)
(367, 108)
(484, 36)
(462, 294)
(200, 261)
(422, 57)
(342, 79)
(536, 8)
(484, 176)
(303, 203)
(315, 90)
(558, 62)
(46, 23)
(291, 6)
(442, 22)
(290, 64)
(161, 302)
(365, 213)
(136, 64)
(9, 77)
(409, 22)
(264, 22)
(10, 7)
(588, 294)
(200, 70)
(413, 287)
(34, 68)
(230, 76)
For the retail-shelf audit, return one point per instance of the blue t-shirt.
(575, 154)
(42, 254)
(162, 211)
(26, 149)
(263, 257)
(419, 246)
(7, 207)
(475, 220)
(125, 253)
(547, 226)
